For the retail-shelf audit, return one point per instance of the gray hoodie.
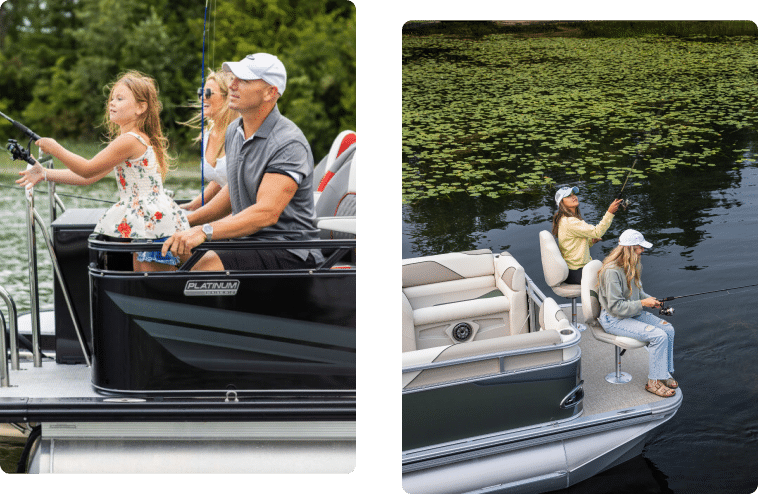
(616, 298)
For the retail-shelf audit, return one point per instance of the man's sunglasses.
(208, 93)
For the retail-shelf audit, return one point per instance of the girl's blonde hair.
(225, 115)
(145, 90)
(563, 212)
(626, 258)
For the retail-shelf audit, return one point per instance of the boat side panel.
(292, 332)
(488, 405)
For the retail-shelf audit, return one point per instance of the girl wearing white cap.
(622, 299)
(575, 236)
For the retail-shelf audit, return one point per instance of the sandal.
(670, 383)
(659, 389)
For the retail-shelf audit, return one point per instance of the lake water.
(701, 220)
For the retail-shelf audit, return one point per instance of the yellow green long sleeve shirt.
(575, 238)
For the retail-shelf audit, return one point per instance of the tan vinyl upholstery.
(554, 267)
(552, 317)
(475, 288)
(490, 366)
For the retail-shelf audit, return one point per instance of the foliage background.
(56, 56)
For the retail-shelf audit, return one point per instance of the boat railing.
(535, 298)
(13, 318)
(33, 218)
(334, 250)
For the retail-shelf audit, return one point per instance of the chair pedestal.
(579, 326)
(618, 377)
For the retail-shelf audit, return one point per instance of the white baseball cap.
(633, 237)
(259, 66)
(565, 192)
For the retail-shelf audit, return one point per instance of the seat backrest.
(551, 316)
(554, 267)
(590, 302)
(448, 267)
(342, 147)
(409, 330)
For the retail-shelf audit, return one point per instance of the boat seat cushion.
(484, 291)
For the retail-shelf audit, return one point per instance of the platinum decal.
(200, 288)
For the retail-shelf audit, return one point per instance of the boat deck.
(598, 360)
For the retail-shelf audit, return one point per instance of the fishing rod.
(17, 151)
(625, 202)
(21, 127)
(669, 311)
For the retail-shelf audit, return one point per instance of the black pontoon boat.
(184, 371)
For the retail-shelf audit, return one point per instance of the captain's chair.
(556, 271)
(591, 311)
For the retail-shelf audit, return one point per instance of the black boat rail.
(335, 249)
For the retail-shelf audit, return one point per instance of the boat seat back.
(551, 316)
(338, 198)
(340, 151)
(464, 296)
(409, 336)
(554, 267)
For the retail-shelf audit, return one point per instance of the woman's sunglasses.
(208, 93)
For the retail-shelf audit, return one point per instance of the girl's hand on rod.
(614, 206)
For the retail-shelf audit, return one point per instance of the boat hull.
(551, 457)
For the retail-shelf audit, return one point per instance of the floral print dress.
(144, 210)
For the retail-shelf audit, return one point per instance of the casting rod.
(704, 293)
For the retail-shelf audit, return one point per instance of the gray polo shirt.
(278, 146)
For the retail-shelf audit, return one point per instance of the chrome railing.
(13, 317)
(33, 218)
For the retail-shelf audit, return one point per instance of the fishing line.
(202, 114)
(43, 191)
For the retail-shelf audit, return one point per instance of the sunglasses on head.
(208, 92)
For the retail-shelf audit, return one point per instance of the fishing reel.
(19, 152)
(665, 311)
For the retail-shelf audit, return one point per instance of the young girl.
(137, 152)
(575, 236)
(622, 298)
(216, 111)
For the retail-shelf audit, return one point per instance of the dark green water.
(702, 220)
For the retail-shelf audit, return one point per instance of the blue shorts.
(155, 256)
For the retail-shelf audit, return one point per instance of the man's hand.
(182, 243)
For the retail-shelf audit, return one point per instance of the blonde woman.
(622, 300)
(215, 97)
(575, 236)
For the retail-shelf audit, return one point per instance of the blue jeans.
(658, 333)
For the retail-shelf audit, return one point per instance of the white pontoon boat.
(502, 393)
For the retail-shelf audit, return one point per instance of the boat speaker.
(462, 331)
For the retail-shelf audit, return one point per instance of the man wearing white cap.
(575, 236)
(270, 178)
(622, 298)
